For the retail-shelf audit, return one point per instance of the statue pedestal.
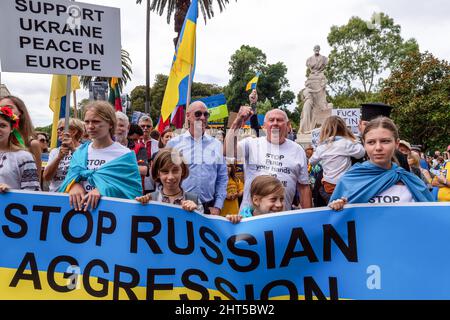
(304, 139)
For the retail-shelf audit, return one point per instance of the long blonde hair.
(335, 126)
(105, 111)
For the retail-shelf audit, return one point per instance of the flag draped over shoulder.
(183, 62)
(253, 83)
(114, 94)
(58, 101)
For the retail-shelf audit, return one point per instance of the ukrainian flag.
(217, 107)
(253, 83)
(183, 61)
(58, 102)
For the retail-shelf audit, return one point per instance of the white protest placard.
(350, 116)
(60, 37)
(315, 135)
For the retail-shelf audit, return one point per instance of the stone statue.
(316, 108)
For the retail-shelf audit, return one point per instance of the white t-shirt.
(335, 158)
(398, 193)
(287, 162)
(99, 157)
(61, 172)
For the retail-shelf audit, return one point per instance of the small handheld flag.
(253, 83)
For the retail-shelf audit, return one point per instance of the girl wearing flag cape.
(379, 180)
(101, 167)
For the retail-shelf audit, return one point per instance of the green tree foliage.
(419, 89)
(199, 90)
(363, 52)
(244, 65)
(179, 9)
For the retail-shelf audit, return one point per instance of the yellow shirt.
(232, 206)
(444, 192)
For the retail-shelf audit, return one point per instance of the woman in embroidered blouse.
(17, 166)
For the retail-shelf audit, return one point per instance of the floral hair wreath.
(7, 111)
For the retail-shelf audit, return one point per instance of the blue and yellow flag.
(217, 107)
(253, 83)
(58, 102)
(183, 62)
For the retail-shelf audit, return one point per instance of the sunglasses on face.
(145, 126)
(43, 140)
(198, 114)
(60, 129)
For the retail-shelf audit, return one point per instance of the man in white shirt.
(271, 155)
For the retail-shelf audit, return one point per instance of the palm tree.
(179, 9)
(126, 73)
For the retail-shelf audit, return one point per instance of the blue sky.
(286, 30)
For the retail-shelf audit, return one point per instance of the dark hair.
(233, 171)
(167, 158)
(155, 135)
(25, 124)
(161, 144)
(135, 129)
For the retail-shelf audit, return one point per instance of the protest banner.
(125, 250)
(350, 116)
(61, 37)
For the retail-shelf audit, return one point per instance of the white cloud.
(285, 30)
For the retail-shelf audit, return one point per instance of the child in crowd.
(267, 196)
(337, 145)
(235, 189)
(17, 167)
(379, 180)
(169, 170)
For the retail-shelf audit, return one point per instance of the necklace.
(171, 195)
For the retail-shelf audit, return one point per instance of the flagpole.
(75, 110)
(188, 98)
(68, 89)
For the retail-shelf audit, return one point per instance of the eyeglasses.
(145, 126)
(43, 140)
(60, 129)
(198, 114)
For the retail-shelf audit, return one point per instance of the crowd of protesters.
(106, 155)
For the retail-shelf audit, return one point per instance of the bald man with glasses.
(208, 175)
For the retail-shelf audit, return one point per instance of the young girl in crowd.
(379, 180)
(17, 167)
(267, 196)
(337, 145)
(235, 189)
(101, 167)
(24, 134)
(59, 158)
(169, 170)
